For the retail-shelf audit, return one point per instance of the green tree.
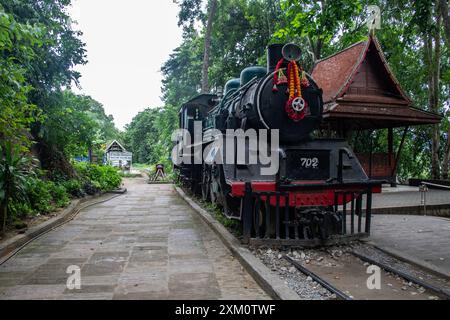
(14, 170)
(51, 69)
(242, 31)
(16, 113)
(83, 128)
(182, 71)
(142, 137)
(318, 22)
(243, 28)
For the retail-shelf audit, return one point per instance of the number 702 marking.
(309, 163)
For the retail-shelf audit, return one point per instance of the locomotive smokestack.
(274, 54)
(291, 52)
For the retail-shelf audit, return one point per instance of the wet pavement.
(146, 244)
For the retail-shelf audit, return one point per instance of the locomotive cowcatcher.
(319, 193)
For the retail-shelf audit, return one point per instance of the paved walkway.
(425, 240)
(147, 244)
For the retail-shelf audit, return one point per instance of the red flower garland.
(296, 105)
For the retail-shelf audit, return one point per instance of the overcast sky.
(126, 42)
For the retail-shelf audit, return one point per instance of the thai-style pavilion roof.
(360, 91)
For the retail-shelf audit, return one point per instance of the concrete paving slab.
(146, 244)
(423, 240)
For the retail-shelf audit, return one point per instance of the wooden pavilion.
(117, 156)
(360, 92)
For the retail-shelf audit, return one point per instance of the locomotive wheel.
(220, 193)
(212, 194)
(232, 206)
(259, 219)
(206, 183)
(215, 187)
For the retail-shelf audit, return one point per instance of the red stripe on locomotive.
(303, 197)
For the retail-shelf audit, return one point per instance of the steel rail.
(402, 274)
(318, 279)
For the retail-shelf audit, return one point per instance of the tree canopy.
(413, 37)
(39, 49)
(40, 117)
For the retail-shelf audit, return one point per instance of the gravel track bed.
(304, 286)
(308, 289)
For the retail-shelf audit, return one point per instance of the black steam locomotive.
(318, 192)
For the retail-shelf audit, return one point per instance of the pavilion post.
(391, 153)
(371, 155)
(399, 152)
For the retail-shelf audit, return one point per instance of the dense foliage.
(149, 135)
(412, 36)
(97, 178)
(43, 124)
(27, 192)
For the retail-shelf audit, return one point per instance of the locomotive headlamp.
(291, 52)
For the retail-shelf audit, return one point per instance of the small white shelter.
(118, 156)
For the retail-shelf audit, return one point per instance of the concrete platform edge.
(269, 281)
(438, 210)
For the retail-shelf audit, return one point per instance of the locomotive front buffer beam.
(306, 215)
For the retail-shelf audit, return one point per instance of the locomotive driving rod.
(319, 280)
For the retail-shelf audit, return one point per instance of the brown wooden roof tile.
(333, 72)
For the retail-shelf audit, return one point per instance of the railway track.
(346, 276)
(445, 293)
(339, 294)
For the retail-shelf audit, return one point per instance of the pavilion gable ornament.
(374, 20)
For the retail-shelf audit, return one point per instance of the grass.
(234, 226)
(142, 166)
(130, 175)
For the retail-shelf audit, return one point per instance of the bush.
(45, 196)
(39, 195)
(20, 210)
(14, 171)
(103, 178)
(110, 178)
(74, 188)
(59, 195)
(91, 187)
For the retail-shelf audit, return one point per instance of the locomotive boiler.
(318, 192)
